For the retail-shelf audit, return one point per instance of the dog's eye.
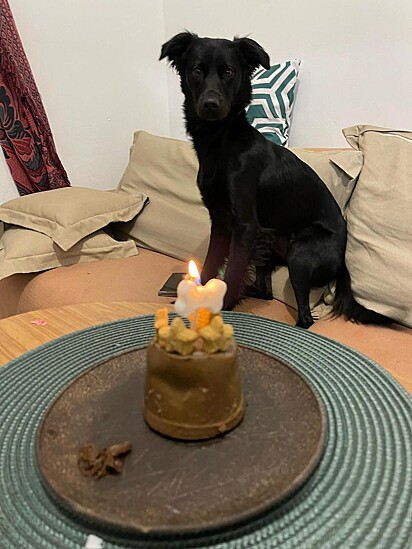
(196, 72)
(229, 72)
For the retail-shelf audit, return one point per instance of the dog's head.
(214, 73)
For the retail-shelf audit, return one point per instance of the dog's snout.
(211, 104)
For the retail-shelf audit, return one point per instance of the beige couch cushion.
(176, 223)
(26, 251)
(379, 218)
(67, 215)
(339, 169)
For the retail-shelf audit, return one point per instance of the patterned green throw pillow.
(273, 94)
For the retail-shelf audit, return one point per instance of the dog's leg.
(217, 252)
(300, 274)
(301, 286)
(241, 247)
(235, 275)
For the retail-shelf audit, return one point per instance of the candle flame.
(193, 270)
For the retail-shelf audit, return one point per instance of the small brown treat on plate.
(96, 463)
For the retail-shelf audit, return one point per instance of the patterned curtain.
(25, 135)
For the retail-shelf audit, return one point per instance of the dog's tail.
(344, 303)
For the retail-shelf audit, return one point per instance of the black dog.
(266, 206)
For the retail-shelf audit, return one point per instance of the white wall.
(96, 65)
(356, 57)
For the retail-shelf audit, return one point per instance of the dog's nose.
(211, 105)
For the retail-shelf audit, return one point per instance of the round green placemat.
(359, 496)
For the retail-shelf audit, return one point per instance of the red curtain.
(25, 135)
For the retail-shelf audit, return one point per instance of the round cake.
(195, 394)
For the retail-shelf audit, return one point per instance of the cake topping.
(161, 318)
(211, 334)
(182, 339)
(217, 335)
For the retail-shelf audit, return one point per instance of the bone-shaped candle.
(192, 296)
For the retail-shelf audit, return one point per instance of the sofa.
(78, 245)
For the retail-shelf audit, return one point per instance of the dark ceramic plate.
(172, 487)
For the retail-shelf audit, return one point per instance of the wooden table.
(23, 332)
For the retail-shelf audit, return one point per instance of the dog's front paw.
(305, 322)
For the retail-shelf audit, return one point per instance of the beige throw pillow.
(26, 251)
(174, 221)
(379, 219)
(67, 215)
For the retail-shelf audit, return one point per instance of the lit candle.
(193, 272)
(191, 295)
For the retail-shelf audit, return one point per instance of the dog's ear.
(176, 47)
(252, 53)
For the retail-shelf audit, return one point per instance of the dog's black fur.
(266, 206)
